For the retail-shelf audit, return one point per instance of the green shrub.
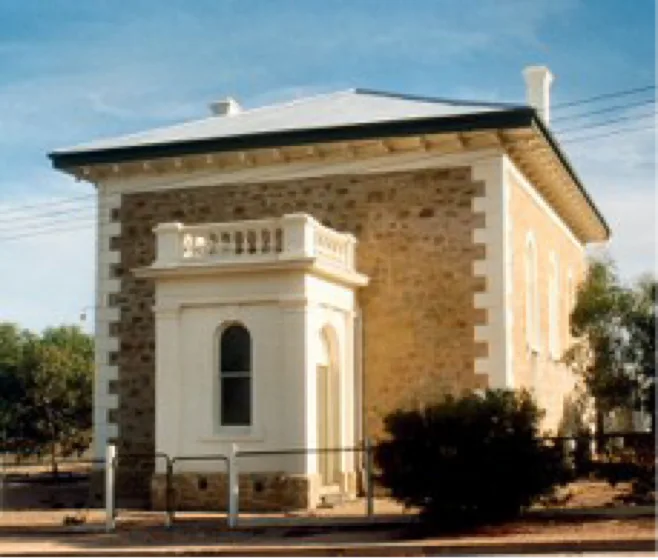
(469, 460)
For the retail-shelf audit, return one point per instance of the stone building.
(286, 276)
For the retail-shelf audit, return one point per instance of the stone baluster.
(228, 247)
(350, 251)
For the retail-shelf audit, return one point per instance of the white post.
(110, 456)
(233, 487)
(168, 242)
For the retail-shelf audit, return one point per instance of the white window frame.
(233, 429)
(554, 306)
(570, 302)
(532, 324)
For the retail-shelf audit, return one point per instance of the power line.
(64, 201)
(53, 217)
(65, 228)
(607, 123)
(54, 203)
(605, 110)
(57, 214)
(62, 223)
(53, 229)
(606, 134)
(42, 222)
(603, 96)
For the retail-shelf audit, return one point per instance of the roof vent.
(538, 81)
(225, 107)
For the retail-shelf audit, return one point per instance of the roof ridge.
(207, 118)
(433, 99)
(295, 101)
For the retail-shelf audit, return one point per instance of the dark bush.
(469, 460)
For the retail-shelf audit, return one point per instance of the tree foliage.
(642, 334)
(603, 353)
(45, 389)
(615, 351)
(469, 460)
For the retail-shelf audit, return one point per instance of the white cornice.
(309, 265)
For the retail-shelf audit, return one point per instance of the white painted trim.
(531, 292)
(554, 310)
(342, 276)
(287, 171)
(541, 202)
(105, 315)
(496, 333)
(255, 300)
(254, 430)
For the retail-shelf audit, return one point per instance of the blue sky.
(72, 71)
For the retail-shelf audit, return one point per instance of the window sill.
(235, 436)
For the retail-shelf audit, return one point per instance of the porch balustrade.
(293, 236)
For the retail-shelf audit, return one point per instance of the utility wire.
(65, 223)
(76, 204)
(604, 110)
(54, 203)
(51, 230)
(65, 228)
(603, 96)
(4, 210)
(20, 225)
(63, 201)
(607, 134)
(45, 215)
(606, 123)
(62, 226)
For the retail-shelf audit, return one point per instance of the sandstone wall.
(551, 381)
(415, 243)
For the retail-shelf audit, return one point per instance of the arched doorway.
(328, 410)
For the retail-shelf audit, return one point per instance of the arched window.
(531, 294)
(570, 298)
(554, 307)
(235, 376)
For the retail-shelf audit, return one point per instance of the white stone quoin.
(290, 282)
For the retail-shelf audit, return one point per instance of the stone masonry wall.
(415, 233)
(209, 491)
(552, 382)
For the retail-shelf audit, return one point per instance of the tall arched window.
(531, 294)
(235, 376)
(570, 300)
(554, 307)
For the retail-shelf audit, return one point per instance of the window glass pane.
(236, 401)
(236, 349)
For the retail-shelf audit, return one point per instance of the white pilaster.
(105, 342)
(494, 269)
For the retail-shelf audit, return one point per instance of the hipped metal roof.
(339, 116)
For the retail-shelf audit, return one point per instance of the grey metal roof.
(339, 116)
(339, 109)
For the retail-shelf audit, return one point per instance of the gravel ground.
(59, 531)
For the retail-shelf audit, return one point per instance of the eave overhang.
(515, 118)
(519, 132)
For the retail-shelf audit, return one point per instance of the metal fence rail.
(230, 461)
(30, 485)
(169, 489)
(367, 467)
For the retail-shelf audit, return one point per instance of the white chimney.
(538, 81)
(225, 107)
